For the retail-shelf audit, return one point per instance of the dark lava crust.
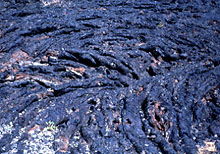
(110, 77)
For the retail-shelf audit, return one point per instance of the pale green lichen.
(51, 126)
(160, 25)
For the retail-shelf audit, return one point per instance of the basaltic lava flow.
(110, 76)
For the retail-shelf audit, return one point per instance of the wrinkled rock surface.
(119, 76)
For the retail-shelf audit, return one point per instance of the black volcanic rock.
(110, 76)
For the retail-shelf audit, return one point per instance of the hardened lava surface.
(110, 76)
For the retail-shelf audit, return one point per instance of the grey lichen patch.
(40, 141)
(15, 141)
(6, 129)
(50, 2)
